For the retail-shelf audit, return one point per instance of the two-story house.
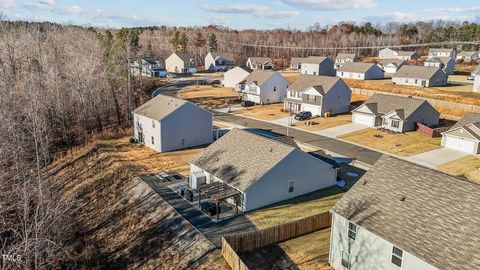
(180, 62)
(215, 61)
(447, 64)
(388, 53)
(318, 65)
(296, 63)
(262, 63)
(343, 58)
(263, 87)
(148, 67)
(318, 95)
(439, 52)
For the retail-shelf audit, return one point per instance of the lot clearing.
(468, 166)
(400, 144)
(321, 123)
(264, 112)
(207, 95)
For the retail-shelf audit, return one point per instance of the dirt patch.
(209, 96)
(264, 112)
(468, 167)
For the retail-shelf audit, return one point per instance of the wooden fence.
(244, 242)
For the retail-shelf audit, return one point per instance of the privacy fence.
(232, 245)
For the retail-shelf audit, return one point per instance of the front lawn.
(321, 123)
(468, 167)
(401, 144)
(264, 112)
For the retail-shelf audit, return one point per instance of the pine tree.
(183, 42)
(175, 40)
(212, 42)
(199, 40)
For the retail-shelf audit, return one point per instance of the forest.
(61, 84)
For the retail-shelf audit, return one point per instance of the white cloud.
(7, 3)
(417, 16)
(256, 10)
(280, 14)
(218, 20)
(455, 10)
(74, 9)
(330, 4)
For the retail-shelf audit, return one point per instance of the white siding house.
(235, 75)
(148, 67)
(263, 170)
(420, 76)
(296, 63)
(215, 61)
(447, 64)
(391, 66)
(476, 84)
(401, 215)
(259, 63)
(360, 71)
(387, 53)
(318, 95)
(343, 58)
(179, 62)
(438, 52)
(464, 136)
(167, 124)
(263, 87)
(318, 65)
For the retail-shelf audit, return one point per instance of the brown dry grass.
(405, 144)
(208, 96)
(264, 112)
(357, 98)
(291, 76)
(468, 167)
(321, 123)
(448, 113)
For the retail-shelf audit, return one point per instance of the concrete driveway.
(432, 159)
(341, 130)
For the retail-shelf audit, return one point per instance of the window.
(310, 98)
(385, 121)
(298, 94)
(345, 259)
(397, 255)
(341, 73)
(153, 140)
(416, 81)
(291, 186)
(395, 123)
(352, 231)
(153, 123)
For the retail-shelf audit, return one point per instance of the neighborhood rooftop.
(395, 62)
(442, 60)
(432, 215)
(314, 59)
(386, 103)
(296, 60)
(224, 55)
(184, 56)
(406, 53)
(469, 118)
(159, 107)
(440, 50)
(259, 76)
(356, 67)
(345, 56)
(241, 157)
(305, 81)
(417, 72)
(260, 59)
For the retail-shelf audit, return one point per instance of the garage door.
(460, 144)
(364, 119)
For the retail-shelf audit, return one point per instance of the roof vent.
(271, 149)
(365, 182)
(403, 198)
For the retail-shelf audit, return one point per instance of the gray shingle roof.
(406, 53)
(224, 55)
(241, 158)
(476, 71)
(396, 62)
(417, 72)
(467, 53)
(438, 221)
(259, 76)
(159, 107)
(260, 60)
(439, 50)
(441, 60)
(296, 60)
(345, 56)
(306, 81)
(247, 69)
(186, 57)
(356, 67)
(315, 59)
(387, 103)
(469, 118)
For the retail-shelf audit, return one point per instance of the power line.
(359, 47)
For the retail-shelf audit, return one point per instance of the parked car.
(188, 194)
(202, 82)
(304, 115)
(210, 208)
(471, 78)
(215, 82)
(171, 75)
(247, 103)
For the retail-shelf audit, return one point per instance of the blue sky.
(238, 14)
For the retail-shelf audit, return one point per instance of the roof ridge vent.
(403, 198)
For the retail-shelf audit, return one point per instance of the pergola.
(218, 192)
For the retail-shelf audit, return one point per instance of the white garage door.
(460, 144)
(364, 119)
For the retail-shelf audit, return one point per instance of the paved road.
(213, 231)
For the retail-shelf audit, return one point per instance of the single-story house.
(396, 113)
(296, 63)
(343, 58)
(401, 215)
(318, 65)
(420, 76)
(219, 61)
(180, 62)
(388, 53)
(148, 67)
(259, 63)
(235, 75)
(263, 86)
(263, 171)
(166, 124)
(445, 63)
(467, 56)
(318, 95)
(391, 66)
(360, 71)
(464, 136)
(439, 52)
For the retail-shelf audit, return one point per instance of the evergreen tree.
(183, 42)
(175, 40)
(199, 40)
(212, 42)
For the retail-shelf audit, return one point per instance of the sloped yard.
(469, 167)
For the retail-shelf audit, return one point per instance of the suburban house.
(166, 124)
(180, 62)
(148, 67)
(360, 71)
(476, 84)
(263, 86)
(396, 113)
(259, 63)
(467, 56)
(318, 95)
(464, 136)
(445, 63)
(343, 58)
(438, 52)
(215, 61)
(235, 75)
(262, 171)
(391, 66)
(318, 65)
(401, 215)
(388, 53)
(420, 76)
(296, 63)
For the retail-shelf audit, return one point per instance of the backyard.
(468, 166)
(264, 112)
(207, 95)
(401, 144)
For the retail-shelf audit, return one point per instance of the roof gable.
(305, 81)
(416, 72)
(388, 103)
(259, 77)
(357, 67)
(160, 106)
